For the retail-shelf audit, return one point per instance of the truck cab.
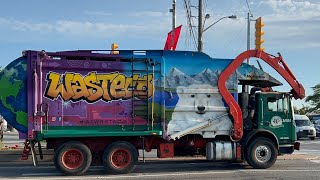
(271, 114)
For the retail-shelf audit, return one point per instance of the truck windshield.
(302, 122)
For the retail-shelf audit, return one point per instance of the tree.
(314, 100)
(303, 110)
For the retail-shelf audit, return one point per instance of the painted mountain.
(208, 77)
(246, 74)
(177, 78)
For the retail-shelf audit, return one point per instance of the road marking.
(306, 150)
(315, 161)
(42, 174)
(27, 167)
(127, 176)
(309, 142)
(138, 176)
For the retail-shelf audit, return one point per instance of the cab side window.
(277, 105)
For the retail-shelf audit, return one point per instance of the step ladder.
(140, 101)
(29, 146)
(26, 150)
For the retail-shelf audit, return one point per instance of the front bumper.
(289, 148)
(306, 133)
(296, 146)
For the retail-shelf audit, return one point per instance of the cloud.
(25, 25)
(288, 23)
(291, 10)
(292, 23)
(86, 28)
(150, 14)
(97, 13)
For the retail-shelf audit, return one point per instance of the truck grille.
(308, 132)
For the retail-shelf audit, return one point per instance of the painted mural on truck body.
(160, 91)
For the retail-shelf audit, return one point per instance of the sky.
(291, 27)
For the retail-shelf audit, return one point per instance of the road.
(191, 169)
(304, 164)
(309, 147)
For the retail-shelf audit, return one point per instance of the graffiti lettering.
(103, 122)
(93, 86)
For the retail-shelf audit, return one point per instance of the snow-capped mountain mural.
(246, 73)
(177, 78)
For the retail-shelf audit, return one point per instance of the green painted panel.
(96, 131)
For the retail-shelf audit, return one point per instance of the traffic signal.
(259, 33)
(114, 46)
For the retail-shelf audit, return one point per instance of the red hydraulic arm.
(276, 62)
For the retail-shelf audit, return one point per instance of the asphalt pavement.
(303, 164)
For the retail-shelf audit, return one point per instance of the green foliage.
(314, 99)
(304, 110)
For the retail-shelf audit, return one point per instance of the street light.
(207, 17)
(231, 17)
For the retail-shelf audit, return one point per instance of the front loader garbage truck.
(99, 108)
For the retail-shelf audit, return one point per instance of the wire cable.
(187, 7)
(235, 36)
(248, 7)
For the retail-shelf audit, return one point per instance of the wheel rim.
(120, 158)
(72, 159)
(263, 153)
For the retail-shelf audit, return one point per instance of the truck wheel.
(120, 157)
(261, 153)
(312, 138)
(73, 158)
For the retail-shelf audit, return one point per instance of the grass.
(4, 147)
(1, 145)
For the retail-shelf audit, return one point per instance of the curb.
(15, 156)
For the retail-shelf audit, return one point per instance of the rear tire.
(120, 158)
(73, 158)
(312, 138)
(261, 153)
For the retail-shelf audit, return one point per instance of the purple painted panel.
(89, 93)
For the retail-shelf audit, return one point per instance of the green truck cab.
(269, 128)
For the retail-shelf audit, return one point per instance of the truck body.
(95, 107)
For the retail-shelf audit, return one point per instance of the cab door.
(277, 116)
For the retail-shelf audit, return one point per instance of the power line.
(187, 7)
(235, 36)
(248, 7)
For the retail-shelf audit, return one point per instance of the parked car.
(304, 127)
(317, 126)
(315, 118)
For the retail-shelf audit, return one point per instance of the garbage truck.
(95, 107)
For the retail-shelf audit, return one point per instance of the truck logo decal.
(276, 122)
(95, 86)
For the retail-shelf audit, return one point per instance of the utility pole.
(173, 10)
(248, 35)
(200, 27)
(248, 43)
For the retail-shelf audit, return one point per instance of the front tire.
(73, 158)
(312, 138)
(120, 158)
(261, 153)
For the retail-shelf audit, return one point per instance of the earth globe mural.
(13, 94)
